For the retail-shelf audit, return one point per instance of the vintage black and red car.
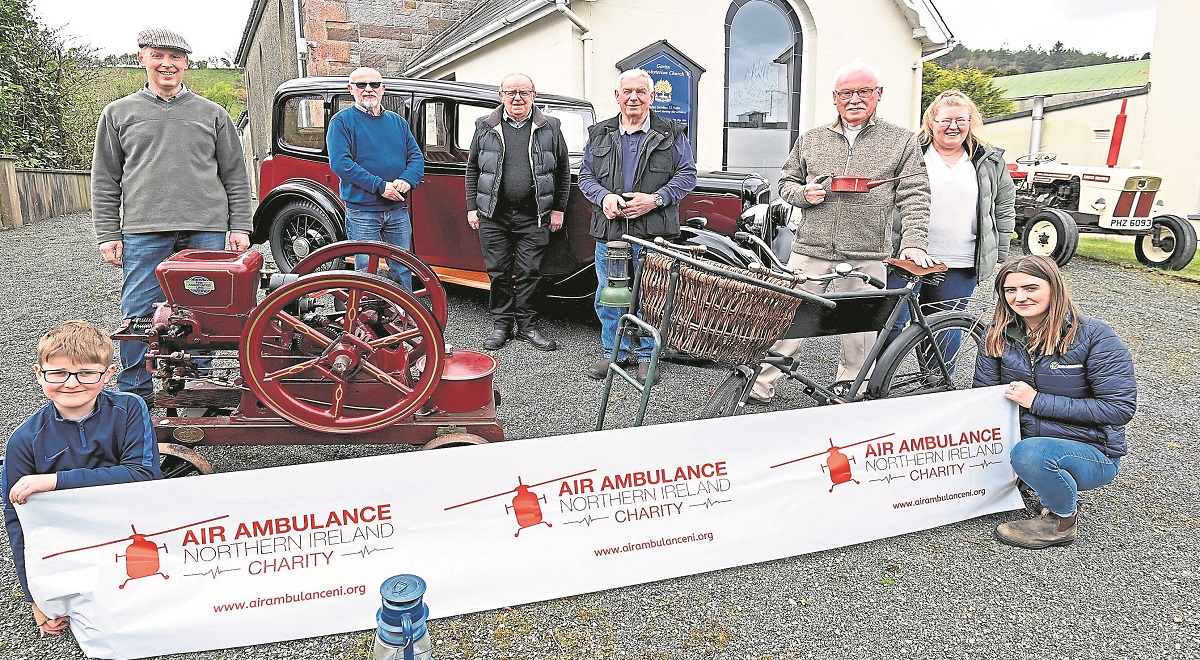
(300, 212)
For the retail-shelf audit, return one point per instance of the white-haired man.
(855, 228)
(636, 169)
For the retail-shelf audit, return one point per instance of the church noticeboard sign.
(676, 78)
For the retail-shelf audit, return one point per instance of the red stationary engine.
(209, 295)
(328, 350)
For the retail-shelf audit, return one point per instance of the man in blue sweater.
(375, 155)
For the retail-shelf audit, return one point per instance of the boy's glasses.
(60, 376)
(372, 85)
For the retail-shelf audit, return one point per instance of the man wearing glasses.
(518, 181)
(167, 175)
(374, 154)
(852, 227)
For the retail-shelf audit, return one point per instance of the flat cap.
(162, 38)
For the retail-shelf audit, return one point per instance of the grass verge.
(1122, 253)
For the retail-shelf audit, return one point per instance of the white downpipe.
(586, 39)
(919, 71)
(301, 42)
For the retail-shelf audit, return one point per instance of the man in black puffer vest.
(637, 168)
(518, 181)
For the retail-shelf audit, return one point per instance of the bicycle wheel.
(723, 402)
(909, 366)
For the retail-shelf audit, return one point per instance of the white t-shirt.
(953, 209)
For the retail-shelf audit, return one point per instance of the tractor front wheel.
(1171, 245)
(1051, 233)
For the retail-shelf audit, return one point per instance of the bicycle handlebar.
(710, 268)
(778, 266)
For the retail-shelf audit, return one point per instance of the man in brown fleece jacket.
(855, 228)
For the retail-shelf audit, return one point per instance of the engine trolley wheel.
(180, 461)
(332, 257)
(342, 352)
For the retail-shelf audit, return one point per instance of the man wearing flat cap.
(167, 175)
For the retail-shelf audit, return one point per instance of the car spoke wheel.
(1174, 247)
(300, 228)
(1051, 233)
(342, 352)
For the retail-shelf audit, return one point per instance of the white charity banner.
(257, 556)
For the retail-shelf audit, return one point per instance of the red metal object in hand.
(856, 184)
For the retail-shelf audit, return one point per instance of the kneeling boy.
(85, 436)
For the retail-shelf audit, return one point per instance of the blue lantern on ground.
(401, 633)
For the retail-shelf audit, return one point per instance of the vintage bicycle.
(732, 316)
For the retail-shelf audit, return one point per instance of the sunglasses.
(373, 85)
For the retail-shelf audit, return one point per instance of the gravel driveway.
(1121, 591)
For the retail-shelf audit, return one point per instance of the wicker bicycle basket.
(713, 316)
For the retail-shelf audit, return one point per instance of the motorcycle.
(765, 236)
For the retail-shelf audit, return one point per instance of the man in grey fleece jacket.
(855, 228)
(173, 160)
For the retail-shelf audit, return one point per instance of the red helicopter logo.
(525, 504)
(837, 463)
(141, 557)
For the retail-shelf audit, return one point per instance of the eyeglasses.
(60, 376)
(514, 93)
(373, 84)
(961, 121)
(845, 94)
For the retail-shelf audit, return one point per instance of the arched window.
(762, 85)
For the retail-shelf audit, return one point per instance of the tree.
(43, 85)
(224, 95)
(974, 83)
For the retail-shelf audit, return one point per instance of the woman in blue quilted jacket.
(1073, 379)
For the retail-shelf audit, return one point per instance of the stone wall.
(270, 61)
(379, 34)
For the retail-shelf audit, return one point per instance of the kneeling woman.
(1073, 378)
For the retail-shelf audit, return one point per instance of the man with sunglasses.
(374, 153)
(167, 175)
(518, 180)
(854, 228)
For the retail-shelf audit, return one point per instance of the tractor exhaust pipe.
(1118, 133)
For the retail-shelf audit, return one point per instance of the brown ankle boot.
(1042, 532)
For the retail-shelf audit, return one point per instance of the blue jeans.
(609, 316)
(959, 283)
(140, 290)
(391, 226)
(1058, 469)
